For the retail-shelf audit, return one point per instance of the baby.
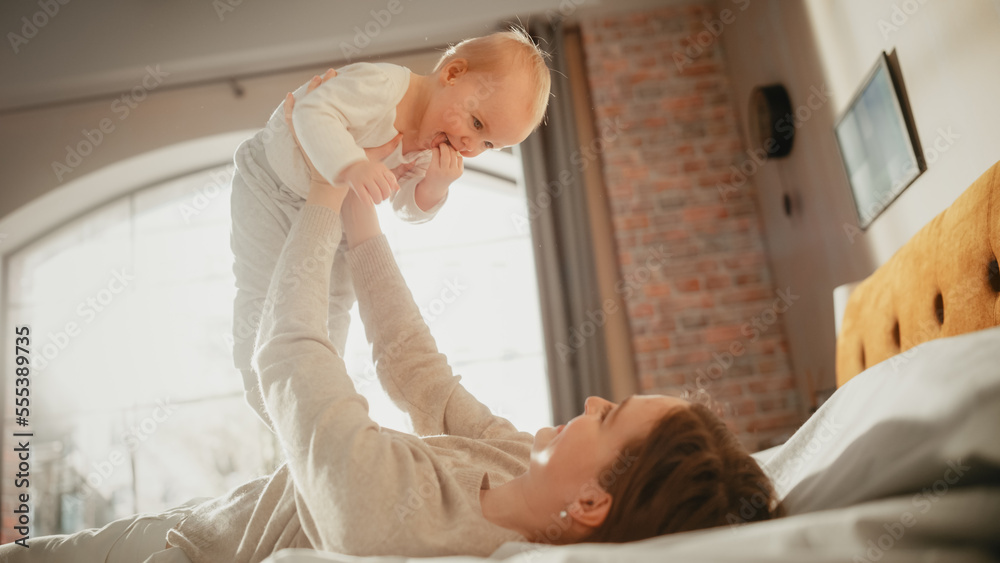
(484, 93)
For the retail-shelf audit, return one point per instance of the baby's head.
(490, 92)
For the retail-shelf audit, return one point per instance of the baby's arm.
(422, 191)
(445, 167)
(358, 95)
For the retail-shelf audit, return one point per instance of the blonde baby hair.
(503, 52)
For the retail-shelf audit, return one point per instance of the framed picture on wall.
(878, 141)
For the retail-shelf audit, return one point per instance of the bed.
(902, 463)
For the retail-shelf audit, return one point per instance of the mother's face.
(570, 456)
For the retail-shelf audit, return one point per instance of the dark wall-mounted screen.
(878, 142)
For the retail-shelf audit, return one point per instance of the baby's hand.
(371, 181)
(445, 167)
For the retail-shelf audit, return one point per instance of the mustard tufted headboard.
(943, 282)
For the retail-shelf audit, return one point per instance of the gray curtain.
(568, 288)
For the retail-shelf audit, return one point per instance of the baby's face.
(474, 112)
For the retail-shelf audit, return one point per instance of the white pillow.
(929, 417)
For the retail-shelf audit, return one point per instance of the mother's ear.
(591, 506)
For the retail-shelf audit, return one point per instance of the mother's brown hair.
(689, 473)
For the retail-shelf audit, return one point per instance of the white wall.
(949, 54)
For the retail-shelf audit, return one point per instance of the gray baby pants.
(263, 210)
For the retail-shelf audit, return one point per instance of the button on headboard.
(944, 281)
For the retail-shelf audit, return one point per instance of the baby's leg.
(342, 298)
(262, 214)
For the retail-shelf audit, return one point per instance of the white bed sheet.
(900, 464)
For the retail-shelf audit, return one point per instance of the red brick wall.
(708, 322)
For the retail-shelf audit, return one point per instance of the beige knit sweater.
(350, 486)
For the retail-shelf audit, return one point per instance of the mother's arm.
(344, 467)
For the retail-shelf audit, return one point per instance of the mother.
(649, 466)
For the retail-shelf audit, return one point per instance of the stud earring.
(563, 514)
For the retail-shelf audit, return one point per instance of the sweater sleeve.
(349, 474)
(328, 119)
(415, 375)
